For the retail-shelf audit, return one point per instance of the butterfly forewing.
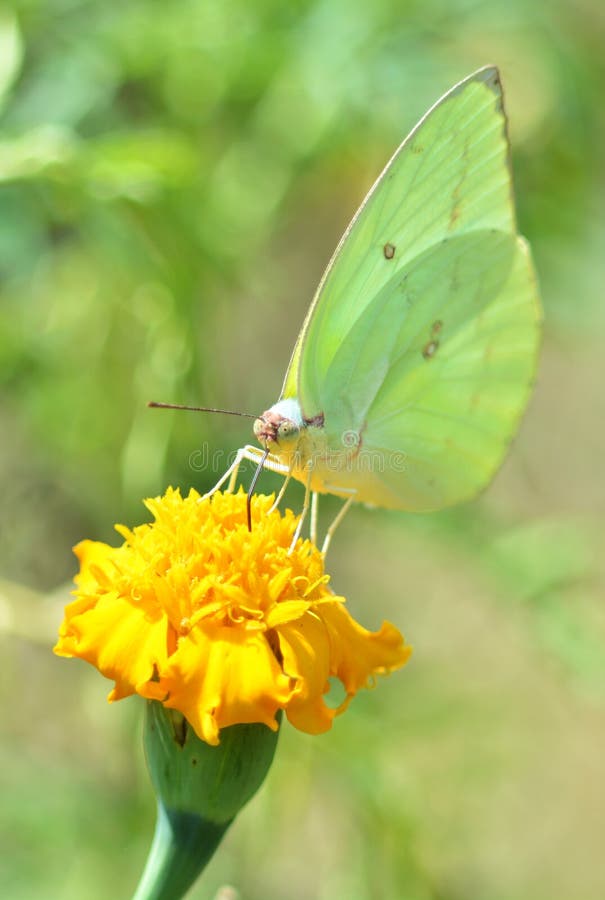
(449, 175)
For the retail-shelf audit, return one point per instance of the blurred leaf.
(545, 555)
(552, 566)
(11, 52)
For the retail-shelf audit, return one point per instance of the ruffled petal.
(305, 648)
(96, 566)
(119, 639)
(358, 654)
(221, 676)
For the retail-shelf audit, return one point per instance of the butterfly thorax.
(302, 444)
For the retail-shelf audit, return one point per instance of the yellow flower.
(219, 622)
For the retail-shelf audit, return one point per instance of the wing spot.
(389, 251)
(436, 327)
(430, 349)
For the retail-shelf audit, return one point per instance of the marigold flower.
(218, 622)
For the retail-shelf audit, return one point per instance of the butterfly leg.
(272, 463)
(336, 522)
(231, 473)
(304, 510)
(234, 469)
(282, 491)
(314, 510)
(252, 454)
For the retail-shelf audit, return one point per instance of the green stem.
(200, 790)
(182, 845)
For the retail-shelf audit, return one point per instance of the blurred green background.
(175, 177)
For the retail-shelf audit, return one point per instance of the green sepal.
(200, 789)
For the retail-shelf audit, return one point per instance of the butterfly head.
(279, 428)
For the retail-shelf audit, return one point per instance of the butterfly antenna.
(226, 412)
(259, 469)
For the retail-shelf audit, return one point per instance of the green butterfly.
(416, 359)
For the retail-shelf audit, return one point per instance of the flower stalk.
(200, 789)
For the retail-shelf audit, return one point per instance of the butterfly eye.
(287, 430)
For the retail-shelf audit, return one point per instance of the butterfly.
(416, 358)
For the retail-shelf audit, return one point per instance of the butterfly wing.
(421, 340)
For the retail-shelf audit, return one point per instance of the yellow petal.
(357, 653)
(119, 639)
(94, 557)
(286, 611)
(305, 648)
(221, 676)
